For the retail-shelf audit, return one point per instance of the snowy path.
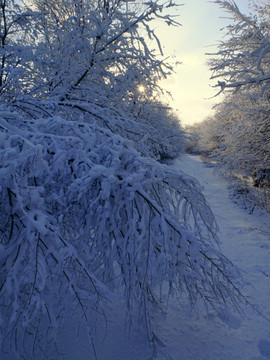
(246, 241)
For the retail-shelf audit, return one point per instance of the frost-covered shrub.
(83, 215)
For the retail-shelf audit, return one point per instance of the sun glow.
(141, 89)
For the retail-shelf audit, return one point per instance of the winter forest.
(96, 223)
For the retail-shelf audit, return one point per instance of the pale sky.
(200, 31)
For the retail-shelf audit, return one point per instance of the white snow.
(245, 239)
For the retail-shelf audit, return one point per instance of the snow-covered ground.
(245, 239)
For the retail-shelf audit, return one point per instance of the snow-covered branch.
(243, 59)
(84, 215)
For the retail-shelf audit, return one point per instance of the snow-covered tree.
(94, 43)
(242, 123)
(237, 138)
(205, 137)
(92, 57)
(14, 52)
(86, 211)
(83, 215)
(243, 59)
